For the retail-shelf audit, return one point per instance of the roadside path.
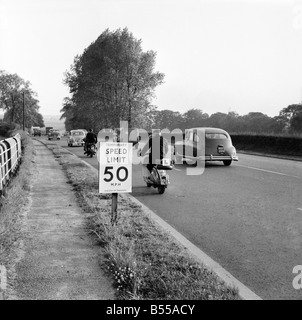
(59, 262)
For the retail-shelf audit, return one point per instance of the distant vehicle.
(47, 130)
(33, 130)
(76, 137)
(54, 134)
(37, 132)
(218, 146)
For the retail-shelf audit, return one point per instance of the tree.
(146, 120)
(167, 119)
(12, 88)
(292, 117)
(112, 80)
(257, 122)
(219, 120)
(195, 118)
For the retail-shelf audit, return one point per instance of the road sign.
(115, 169)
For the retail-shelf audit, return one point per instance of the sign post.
(115, 171)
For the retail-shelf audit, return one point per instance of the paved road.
(247, 217)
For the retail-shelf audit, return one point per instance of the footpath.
(60, 261)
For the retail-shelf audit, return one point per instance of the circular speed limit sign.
(115, 170)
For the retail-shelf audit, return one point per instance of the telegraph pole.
(23, 112)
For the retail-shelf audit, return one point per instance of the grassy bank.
(13, 209)
(143, 261)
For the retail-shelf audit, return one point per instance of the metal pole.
(115, 195)
(114, 208)
(23, 112)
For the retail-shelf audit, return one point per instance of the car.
(47, 130)
(217, 146)
(84, 131)
(54, 134)
(37, 132)
(76, 137)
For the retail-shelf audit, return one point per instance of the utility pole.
(23, 112)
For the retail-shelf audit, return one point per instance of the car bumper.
(77, 143)
(209, 158)
(221, 158)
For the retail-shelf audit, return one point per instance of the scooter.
(90, 150)
(159, 177)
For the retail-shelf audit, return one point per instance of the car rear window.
(78, 133)
(216, 136)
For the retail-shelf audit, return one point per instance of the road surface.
(247, 217)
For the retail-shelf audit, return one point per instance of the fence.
(10, 158)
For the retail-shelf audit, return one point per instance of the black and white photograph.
(150, 153)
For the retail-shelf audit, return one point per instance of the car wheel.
(227, 162)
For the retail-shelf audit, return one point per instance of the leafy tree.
(146, 120)
(167, 119)
(219, 120)
(195, 118)
(12, 91)
(112, 80)
(256, 122)
(278, 125)
(292, 117)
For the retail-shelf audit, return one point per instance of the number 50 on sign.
(115, 170)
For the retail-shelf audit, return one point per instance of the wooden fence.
(10, 158)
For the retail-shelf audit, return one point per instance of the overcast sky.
(217, 55)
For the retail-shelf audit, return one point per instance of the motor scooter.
(90, 150)
(159, 177)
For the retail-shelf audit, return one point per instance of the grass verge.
(144, 261)
(13, 208)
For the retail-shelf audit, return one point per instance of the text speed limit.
(115, 174)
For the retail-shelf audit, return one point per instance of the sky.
(217, 55)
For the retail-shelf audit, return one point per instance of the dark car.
(37, 132)
(54, 134)
(217, 146)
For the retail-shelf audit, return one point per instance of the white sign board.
(115, 169)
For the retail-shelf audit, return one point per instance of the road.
(247, 217)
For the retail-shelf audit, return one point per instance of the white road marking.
(269, 171)
(299, 209)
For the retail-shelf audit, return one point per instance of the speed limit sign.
(115, 169)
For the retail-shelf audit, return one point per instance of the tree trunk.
(13, 110)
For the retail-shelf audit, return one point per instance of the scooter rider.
(158, 147)
(90, 138)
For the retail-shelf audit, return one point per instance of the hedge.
(291, 146)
